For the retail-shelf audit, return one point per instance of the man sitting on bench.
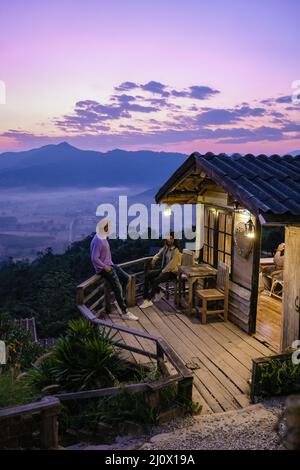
(170, 258)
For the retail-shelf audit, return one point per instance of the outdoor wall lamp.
(250, 229)
(167, 211)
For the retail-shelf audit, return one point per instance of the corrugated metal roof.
(264, 184)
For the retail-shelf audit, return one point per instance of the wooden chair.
(275, 283)
(220, 293)
(187, 259)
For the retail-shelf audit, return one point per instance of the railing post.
(131, 291)
(79, 295)
(49, 427)
(185, 390)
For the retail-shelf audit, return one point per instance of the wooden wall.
(241, 293)
(290, 318)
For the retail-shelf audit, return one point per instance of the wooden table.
(193, 274)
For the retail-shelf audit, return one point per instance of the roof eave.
(178, 174)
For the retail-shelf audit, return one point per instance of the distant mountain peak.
(66, 145)
(63, 144)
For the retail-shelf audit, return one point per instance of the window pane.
(206, 235)
(229, 224)
(206, 217)
(205, 253)
(211, 219)
(228, 261)
(211, 237)
(222, 221)
(221, 241)
(211, 256)
(220, 256)
(228, 244)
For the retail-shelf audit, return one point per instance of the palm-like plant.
(86, 358)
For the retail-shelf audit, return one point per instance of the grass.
(15, 392)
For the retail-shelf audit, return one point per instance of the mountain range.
(65, 166)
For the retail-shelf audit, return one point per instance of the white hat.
(100, 228)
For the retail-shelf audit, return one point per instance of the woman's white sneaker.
(147, 303)
(129, 316)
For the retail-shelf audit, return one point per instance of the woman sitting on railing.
(170, 257)
(102, 262)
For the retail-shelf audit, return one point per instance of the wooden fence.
(95, 293)
(255, 392)
(18, 424)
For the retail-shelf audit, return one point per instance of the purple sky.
(160, 74)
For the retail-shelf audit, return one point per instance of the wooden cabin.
(237, 197)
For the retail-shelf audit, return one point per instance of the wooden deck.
(268, 320)
(219, 354)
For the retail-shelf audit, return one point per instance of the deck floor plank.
(228, 387)
(182, 350)
(131, 340)
(268, 320)
(218, 350)
(219, 354)
(226, 375)
(217, 383)
(225, 334)
(256, 345)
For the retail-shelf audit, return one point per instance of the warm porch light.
(249, 229)
(167, 211)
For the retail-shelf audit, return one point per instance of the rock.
(145, 446)
(103, 429)
(72, 432)
(132, 428)
(168, 415)
(85, 434)
(161, 437)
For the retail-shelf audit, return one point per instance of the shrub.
(21, 350)
(86, 358)
(277, 377)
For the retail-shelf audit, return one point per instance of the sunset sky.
(162, 74)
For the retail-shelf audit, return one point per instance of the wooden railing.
(94, 299)
(11, 421)
(95, 293)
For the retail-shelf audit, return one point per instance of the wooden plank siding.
(219, 354)
(243, 286)
(268, 321)
(291, 291)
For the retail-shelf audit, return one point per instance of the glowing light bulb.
(167, 212)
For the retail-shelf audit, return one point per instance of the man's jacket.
(174, 262)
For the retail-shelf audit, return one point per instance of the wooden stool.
(221, 292)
